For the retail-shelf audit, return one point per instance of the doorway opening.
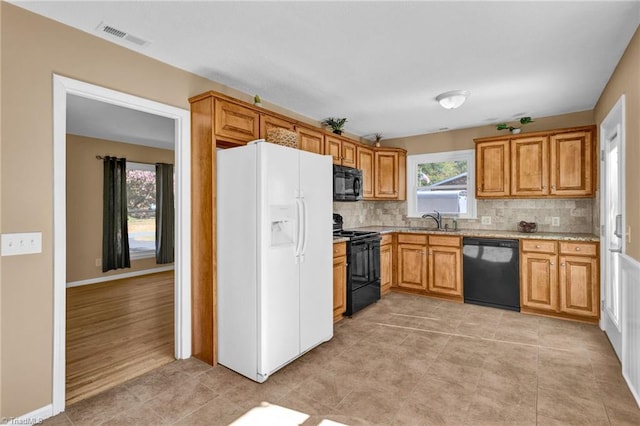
(64, 88)
(613, 222)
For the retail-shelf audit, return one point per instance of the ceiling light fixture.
(452, 99)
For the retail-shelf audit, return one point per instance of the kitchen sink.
(447, 230)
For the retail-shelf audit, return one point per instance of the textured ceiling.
(381, 64)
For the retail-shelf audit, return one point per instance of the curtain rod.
(100, 157)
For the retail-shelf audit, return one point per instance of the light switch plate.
(555, 221)
(21, 243)
(486, 220)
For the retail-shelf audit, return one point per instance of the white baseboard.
(120, 276)
(32, 418)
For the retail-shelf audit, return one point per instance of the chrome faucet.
(436, 217)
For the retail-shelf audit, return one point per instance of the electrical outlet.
(21, 243)
(486, 220)
(98, 262)
(555, 221)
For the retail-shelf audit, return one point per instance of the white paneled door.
(612, 242)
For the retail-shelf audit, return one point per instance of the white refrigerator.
(274, 256)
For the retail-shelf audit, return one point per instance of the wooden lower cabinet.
(386, 264)
(579, 289)
(431, 265)
(539, 281)
(412, 262)
(339, 280)
(560, 279)
(445, 271)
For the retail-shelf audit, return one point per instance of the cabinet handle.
(553, 187)
(562, 264)
(551, 263)
(537, 246)
(577, 248)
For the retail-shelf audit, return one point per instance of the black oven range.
(363, 266)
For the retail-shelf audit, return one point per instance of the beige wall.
(84, 202)
(626, 80)
(463, 139)
(33, 49)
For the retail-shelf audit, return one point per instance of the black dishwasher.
(491, 272)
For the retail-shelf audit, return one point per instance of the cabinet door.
(445, 272)
(386, 175)
(412, 266)
(572, 167)
(235, 123)
(364, 162)
(579, 286)
(386, 267)
(530, 166)
(333, 147)
(270, 122)
(539, 281)
(310, 140)
(348, 154)
(339, 287)
(492, 169)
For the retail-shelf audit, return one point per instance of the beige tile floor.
(407, 360)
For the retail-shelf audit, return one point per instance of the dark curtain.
(115, 235)
(165, 233)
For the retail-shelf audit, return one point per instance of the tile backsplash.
(576, 215)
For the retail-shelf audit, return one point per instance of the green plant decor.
(257, 100)
(378, 138)
(523, 121)
(336, 124)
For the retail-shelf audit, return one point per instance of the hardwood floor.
(116, 331)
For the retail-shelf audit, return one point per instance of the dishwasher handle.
(490, 242)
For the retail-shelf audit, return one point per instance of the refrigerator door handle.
(299, 228)
(304, 230)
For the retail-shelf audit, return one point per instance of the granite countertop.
(483, 233)
(340, 239)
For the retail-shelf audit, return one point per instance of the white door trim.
(63, 86)
(607, 128)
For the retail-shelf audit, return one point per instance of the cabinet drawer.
(339, 249)
(386, 239)
(412, 238)
(539, 246)
(579, 249)
(442, 240)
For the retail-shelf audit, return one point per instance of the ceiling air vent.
(115, 32)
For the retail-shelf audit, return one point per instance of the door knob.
(616, 250)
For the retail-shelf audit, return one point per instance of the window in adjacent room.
(442, 181)
(141, 206)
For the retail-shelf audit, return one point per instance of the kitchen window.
(442, 181)
(141, 209)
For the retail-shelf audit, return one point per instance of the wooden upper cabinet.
(386, 174)
(348, 151)
(572, 163)
(333, 147)
(268, 122)
(235, 123)
(364, 162)
(310, 140)
(492, 169)
(530, 166)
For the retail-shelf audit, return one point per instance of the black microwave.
(347, 183)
